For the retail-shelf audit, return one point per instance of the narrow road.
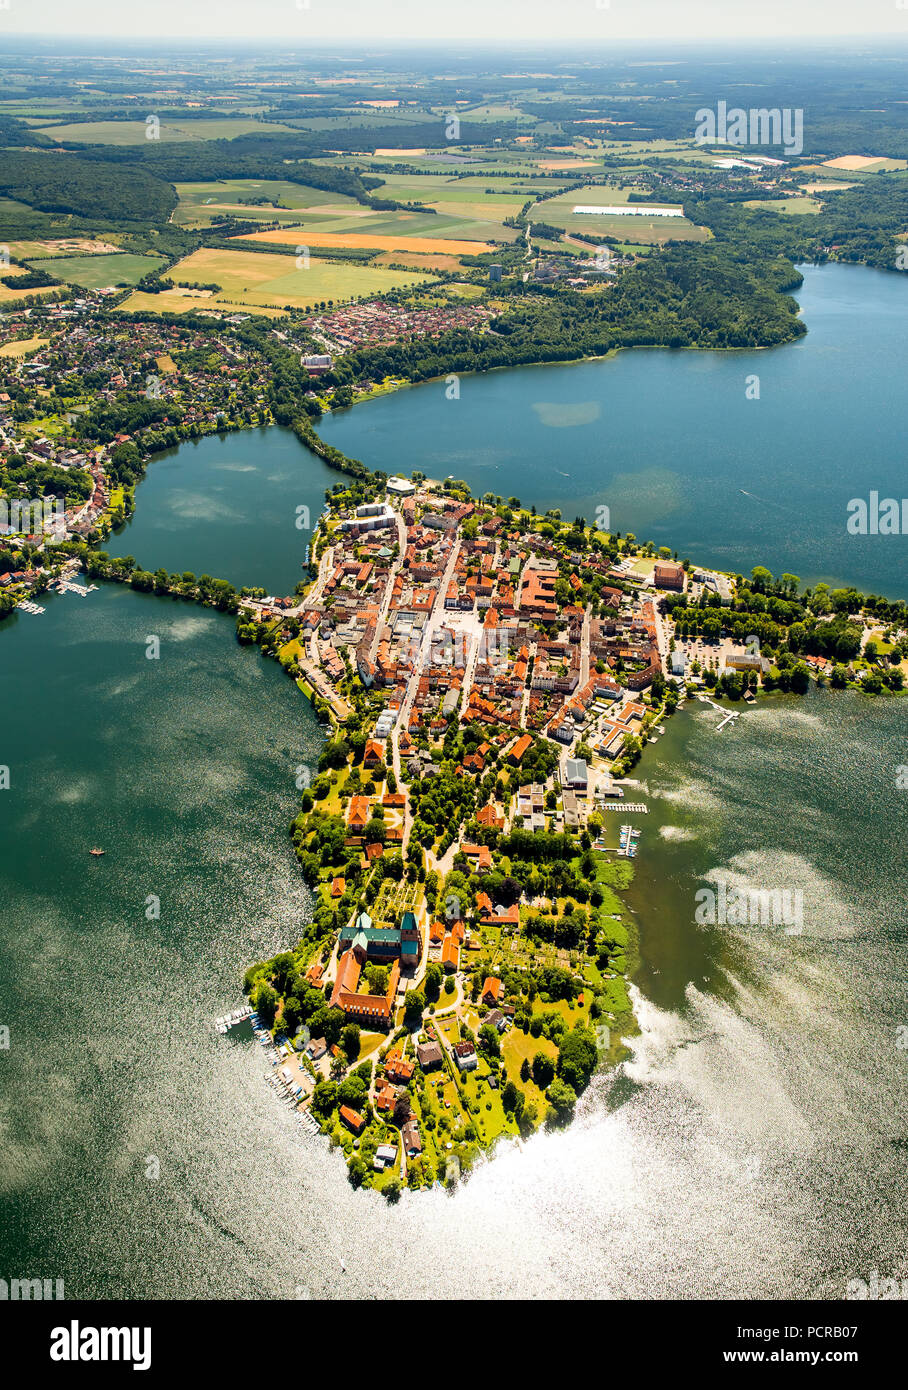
(413, 682)
(585, 648)
(393, 572)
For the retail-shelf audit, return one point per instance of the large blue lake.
(673, 445)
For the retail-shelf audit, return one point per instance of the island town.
(490, 678)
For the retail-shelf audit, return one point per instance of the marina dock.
(280, 1078)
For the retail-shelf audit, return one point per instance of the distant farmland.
(134, 132)
(261, 282)
(458, 209)
(200, 203)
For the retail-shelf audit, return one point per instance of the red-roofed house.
(520, 747)
(490, 816)
(352, 1119)
(491, 990)
(450, 954)
(385, 1095)
(397, 1070)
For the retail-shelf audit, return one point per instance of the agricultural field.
(260, 282)
(8, 292)
(97, 272)
(418, 260)
(464, 210)
(647, 231)
(467, 200)
(792, 206)
(860, 162)
(134, 132)
(61, 246)
(826, 186)
(22, 347)
(200, 203)
(381, 240)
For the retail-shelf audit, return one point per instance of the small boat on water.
(97, 852)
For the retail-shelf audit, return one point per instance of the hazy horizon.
(518, 23)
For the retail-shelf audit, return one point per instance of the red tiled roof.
(352, 1118)
(520, 747)
(450, 953)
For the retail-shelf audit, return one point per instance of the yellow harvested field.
(415, 261)
(567, 163)
(401, 153)
(854, 161)
(8, 292)
(315, 238)
(176, 302)
(25, 345)
(253, 281)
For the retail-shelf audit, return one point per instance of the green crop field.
(134, 132)
(97, 272)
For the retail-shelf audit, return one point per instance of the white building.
(374, 516)
(629, 210)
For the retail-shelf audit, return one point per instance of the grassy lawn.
(489, 1120)
(448, 1025)
(571, 1012)
(369, 1043)
(293, 649)
(517, 1045)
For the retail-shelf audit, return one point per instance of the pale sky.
(567, 23)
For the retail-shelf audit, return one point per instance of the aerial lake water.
(753, 1143)
(228, 505)
(672, 444)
